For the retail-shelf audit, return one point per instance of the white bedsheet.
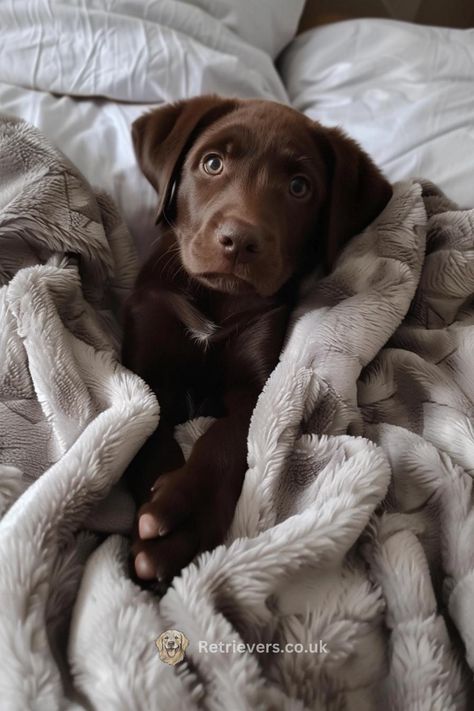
(405, 92)
(83, 71)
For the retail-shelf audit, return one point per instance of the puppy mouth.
(229, 283)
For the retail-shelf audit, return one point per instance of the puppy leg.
(192, 507)
(157, 347)
(160, 453)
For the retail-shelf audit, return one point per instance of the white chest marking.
(199, 327)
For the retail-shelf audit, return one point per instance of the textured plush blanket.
(347, 581)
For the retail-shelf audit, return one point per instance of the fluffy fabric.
(353, 534)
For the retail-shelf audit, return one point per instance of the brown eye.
(213, 164)
(299, 186)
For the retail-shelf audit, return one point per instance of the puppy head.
(255, 191)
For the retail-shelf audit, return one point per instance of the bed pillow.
(267, 24)
(404, 91)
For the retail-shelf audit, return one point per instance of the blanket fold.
(347, 578)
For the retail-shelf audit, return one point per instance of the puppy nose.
(239, 240)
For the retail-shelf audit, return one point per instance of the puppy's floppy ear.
(184, 642)
(356, 191)
(160, 643)
(162, 137)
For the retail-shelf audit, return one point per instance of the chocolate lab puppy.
(251, 196)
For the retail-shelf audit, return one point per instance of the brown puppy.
(252, 195)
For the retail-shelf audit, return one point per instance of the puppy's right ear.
(162, 138)
(357, 192)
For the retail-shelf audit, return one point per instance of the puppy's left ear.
(357, 191)
(184, 642)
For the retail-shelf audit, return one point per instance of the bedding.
(405, 92)
(351, 534)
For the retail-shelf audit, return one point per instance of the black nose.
(239, 240)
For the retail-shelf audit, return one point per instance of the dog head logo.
(172, 645)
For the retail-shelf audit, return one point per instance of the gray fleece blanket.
(347, 580)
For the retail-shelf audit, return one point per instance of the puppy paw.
(171, 504)
(164, 557)
(174, 526)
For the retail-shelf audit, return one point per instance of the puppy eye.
(299, 186)
(212, 164)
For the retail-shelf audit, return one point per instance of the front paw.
(178, 522)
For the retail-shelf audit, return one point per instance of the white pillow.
(267, 24)
(404, 91)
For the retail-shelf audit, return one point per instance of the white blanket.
(352, 536)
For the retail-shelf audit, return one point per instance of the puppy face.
(254, 191)
(248, 199)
